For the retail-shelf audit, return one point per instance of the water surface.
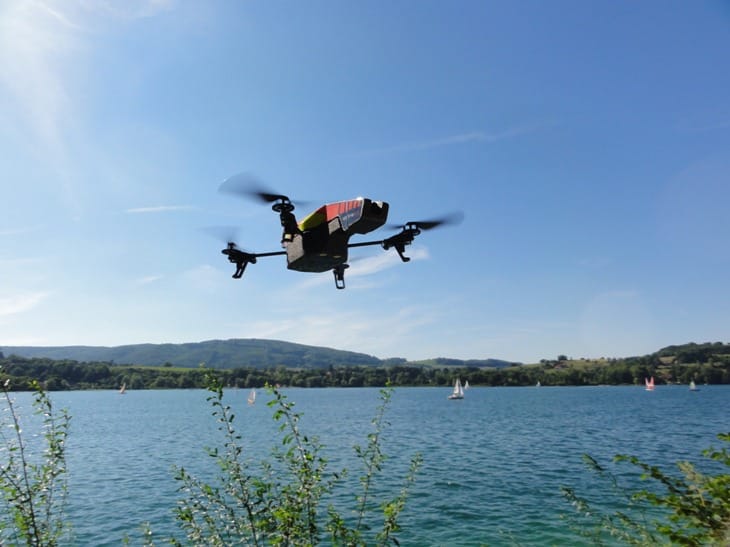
(493, 463)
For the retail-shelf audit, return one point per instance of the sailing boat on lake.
(252, 396)
(649, 383)
(693, 386)
(123, 389)
(458, 392)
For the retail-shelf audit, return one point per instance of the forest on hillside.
(703, 363)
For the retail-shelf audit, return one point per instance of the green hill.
(254, 363)
(233, 353)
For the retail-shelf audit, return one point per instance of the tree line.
(57, 375)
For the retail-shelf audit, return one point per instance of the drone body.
(321, 241)
(323, 237)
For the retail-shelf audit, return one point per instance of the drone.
(321, 240)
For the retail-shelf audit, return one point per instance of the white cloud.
(357, 330)
(129, 9)
(366, 267)
(28, 261)
(20, 303)
(159, 209)
(453, 140)
(19, 231)
(375, 264)
(148, 279)
(36, 40)
(205, 278)
(45, 55)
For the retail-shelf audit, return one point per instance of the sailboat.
(466, 385)
(649, 383)
(458, 392)
(123, 389)
(693, 386)
(538, 384)
(252, 396)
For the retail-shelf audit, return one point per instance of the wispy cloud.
(45, 58)
(705, 120)
(44, 43)
(132, 9)
(373, 265)
(595, 262)
(20, 303)
(365, 267)
(146, 280)
(18, 231)
(36, 40)
(353, 330)
(205, 278)
(159, 209)
(20, 261)
(453, 140)
(709, 126)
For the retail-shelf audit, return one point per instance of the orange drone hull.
(325, 233)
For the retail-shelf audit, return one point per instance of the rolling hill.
(234, 353)
(214, 353)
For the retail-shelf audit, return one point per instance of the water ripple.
(493, 464)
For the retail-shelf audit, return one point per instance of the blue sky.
(587, 143)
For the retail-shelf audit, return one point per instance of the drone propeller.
(249, 186)
(410, 230)
(224, 234)
(446, 220)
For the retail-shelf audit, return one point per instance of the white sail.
(458, 392)
(252, 396)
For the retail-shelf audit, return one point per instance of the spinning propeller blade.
(224, 234)
(450, 219)
(249, 186)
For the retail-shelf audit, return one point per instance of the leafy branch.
(280, 505)
(694, 506)
(33, 486)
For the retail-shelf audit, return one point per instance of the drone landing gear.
(400, 248)
(240, 268)
(339, 273)
(399, 241)
(240, 258)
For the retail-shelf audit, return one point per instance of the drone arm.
(242, 259)
(397, 242)
(274, 253)
(365, 244)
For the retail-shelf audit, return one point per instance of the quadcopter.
(321, 240)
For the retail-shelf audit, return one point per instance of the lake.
(493, 463)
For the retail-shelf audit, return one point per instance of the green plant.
(691, 509)
(282, 503)
(33, 478)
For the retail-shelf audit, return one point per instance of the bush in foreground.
(691, 509)
(280, 502)
(32, 478)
